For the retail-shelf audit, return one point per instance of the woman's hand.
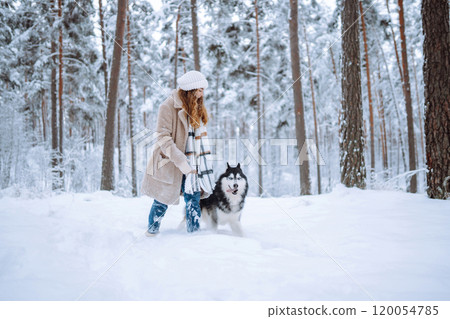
(194, 171)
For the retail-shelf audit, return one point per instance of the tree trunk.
(382, 125)
(408, 103)
(71, 120)
(176, 48)
(316, 134)
(337, 81)
(436, 70)
(397, 57)
(390, 147)
(104, 64)
(419, 106)
(119, 144)
(130, 111)
(369, 93)
(53, 96)
(44, 115)
(60, 93)
(333, 64)
(183, 55)
(305, 184)
(195, 34)
(216, 110)
(258, 96)
(353, 172)
(394, 98)
(107, 182)
(8, 161)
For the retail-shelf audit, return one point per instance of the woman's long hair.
(194, 107)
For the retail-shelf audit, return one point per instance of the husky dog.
(225, 204)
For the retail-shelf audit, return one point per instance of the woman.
(180, 158)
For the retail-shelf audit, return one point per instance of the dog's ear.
(238, 165)
(228, 165)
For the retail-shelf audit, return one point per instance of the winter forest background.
(72, 42)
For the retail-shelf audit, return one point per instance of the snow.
(349, 244)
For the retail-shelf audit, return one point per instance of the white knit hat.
(192, 80)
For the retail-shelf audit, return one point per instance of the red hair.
(194, 107)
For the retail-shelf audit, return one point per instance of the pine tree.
(408, 101)
(195, 34)
(369, 92)
(53, 93)
(436, 70)
(353, 172)
(108, 148)
(313, 99)
(300, 130)
(104, 64)
(60, 97)
(258, 96)
(175, 73)
(130, 107)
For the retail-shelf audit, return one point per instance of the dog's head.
(234, 181)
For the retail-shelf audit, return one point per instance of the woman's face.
(199, 93)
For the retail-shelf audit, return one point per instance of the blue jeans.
(193, 212)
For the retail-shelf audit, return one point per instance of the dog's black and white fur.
(226, 202)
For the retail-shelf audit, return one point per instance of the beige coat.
(168, 163)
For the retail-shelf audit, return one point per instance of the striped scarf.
(198, 153)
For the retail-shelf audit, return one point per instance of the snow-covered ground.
(346, 245)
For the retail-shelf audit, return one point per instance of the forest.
(330, 119)
(361, 87)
